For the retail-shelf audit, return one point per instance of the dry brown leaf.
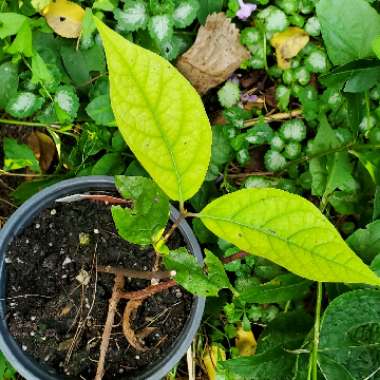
(136, 340)
(288, 44)
(43, 147)
(215, 54)
(211, 357)
(65, 18)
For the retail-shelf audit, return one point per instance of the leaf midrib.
(267, 232)
(157, 122)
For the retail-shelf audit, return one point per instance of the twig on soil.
(117, 288)
(275, 117)
(147, 292)
(159, 275)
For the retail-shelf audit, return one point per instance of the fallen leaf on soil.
(136, 340)
(215, 54)
(211, 357)
(245, 342)
(65, 311)
(43, 148)
(65, 18)
(288, 44)
(65, 345)
(83, 277)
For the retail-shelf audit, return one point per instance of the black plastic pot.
(23, 217)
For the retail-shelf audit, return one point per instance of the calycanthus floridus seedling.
(162, 119)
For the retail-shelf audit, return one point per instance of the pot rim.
(22, 217)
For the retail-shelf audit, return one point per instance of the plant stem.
(25, 123)
(118, 286)
(134, 273)
(147, 292)
(317, 323)
(275, 117)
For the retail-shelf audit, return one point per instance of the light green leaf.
(185, 13)
(288, 230)
(41, 73)
(105, 5)
(149, 213)
(18, 156)
(23, 42)
(281, 289)
(8, 82)
(371, 161)
(348, 29)
(133, 17)
(190, 274)
(350, 333)
(10, 23)
(376, 46)
(161, 28)
(24, 104)
(216, 273)
(160, 116)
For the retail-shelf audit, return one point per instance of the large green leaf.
(350, 334)
(149, 214)
(159, 114)
(288, 230)
(348, 29)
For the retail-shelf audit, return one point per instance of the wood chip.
(215, 54)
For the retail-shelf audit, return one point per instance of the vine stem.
(313, 362)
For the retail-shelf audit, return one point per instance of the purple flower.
(249, 98)
(245, 10)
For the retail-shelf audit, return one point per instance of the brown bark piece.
(215, 54)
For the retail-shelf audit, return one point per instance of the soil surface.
(58, 319)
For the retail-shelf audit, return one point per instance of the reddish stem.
(234, 257)
(147, 292)
(159, 275)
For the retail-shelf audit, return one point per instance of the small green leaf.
(10, 24)
(99, 109)
(23, 42)
(207, 7)
(288, 230)
(109, 164)
(281, 289)
(216, 273)
(42, 74)
(18, 156)
(350, 332)
(190, 274)
(149, 213)
(156, 116)
(8, 82)
(366, 241)
(161, 28)
(133, 17)
(23, 104)
(185, 13)
(68, 101)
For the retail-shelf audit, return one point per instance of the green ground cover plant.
(284, 197)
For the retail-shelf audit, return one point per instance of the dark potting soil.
(59, 320)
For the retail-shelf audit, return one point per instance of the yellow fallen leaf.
(245, 342)
(64, 17)
(213, 354)
(288, 44)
